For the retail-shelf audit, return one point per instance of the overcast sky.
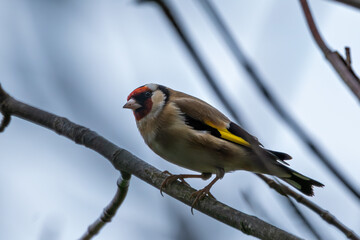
(80, 59)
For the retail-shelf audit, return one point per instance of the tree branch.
(123, 160)
(324, 214)
(352, 3)
(110, 210)
(6, 117)
(337, 61)
(5, 121)
(306, 222)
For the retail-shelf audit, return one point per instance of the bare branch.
(324, 214)
(123, 160)
(336, 60)
(110, 210)
(5, 121)
(6, 117)
(348, 57)
(306, 222)
(352, 3)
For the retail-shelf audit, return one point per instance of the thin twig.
(110, 210)
(127, 162)
(324, 214)
(304, 219)
(259, 82)
(346, 73)
(317, 37)
(348, 57)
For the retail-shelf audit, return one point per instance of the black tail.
(302, 183)
(280, 155)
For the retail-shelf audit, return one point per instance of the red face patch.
(138, 91)
(142, 112)
(146, 103)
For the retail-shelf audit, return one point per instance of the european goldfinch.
(190, 133)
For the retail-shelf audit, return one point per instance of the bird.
(191, 133)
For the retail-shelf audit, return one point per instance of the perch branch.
(124, 161)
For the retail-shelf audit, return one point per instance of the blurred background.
(80, 59)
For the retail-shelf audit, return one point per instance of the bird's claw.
(170, 179)
(199, 195)
(167, 172)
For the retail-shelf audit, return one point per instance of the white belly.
(201, 159)
(197, 160)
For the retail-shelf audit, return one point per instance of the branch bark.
(324, 214)
(337, 61)
(110, 210)
(124, 161)
(352, 3)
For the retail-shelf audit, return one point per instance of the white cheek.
(158, 104)
(156, 110)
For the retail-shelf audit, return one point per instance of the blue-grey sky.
(80, 59)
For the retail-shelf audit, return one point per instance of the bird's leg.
(181, 177)
(200, 194)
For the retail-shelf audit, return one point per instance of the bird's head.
(147, 100)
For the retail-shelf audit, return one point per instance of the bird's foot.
(199, 195)
(170, 179)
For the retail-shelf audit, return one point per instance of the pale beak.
(132, 104)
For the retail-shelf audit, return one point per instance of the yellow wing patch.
(225, 134)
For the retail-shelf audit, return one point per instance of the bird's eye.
(147, 94)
